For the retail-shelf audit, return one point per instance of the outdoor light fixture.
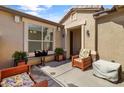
(17, 19)
(63, 35)
(88, 33)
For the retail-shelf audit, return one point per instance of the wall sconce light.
(63, 35)
(88, 33)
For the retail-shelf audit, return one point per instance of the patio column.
(83, 36)
(67, 43)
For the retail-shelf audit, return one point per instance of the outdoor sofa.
(19, 76)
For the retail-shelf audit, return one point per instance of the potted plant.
(20, 58)
(59, 54)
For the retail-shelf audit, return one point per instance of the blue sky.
(50, 12)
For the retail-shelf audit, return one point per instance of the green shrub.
(19, 55)
(59, 51)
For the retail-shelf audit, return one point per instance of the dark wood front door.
(75, 42)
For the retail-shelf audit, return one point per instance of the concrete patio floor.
(39, 75)
(63, 74)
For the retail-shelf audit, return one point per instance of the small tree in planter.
(20, 58)
(59, 54)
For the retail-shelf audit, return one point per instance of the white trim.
(25, 37)
(35, 40)
(31, 54)
(42, 37)
(54, 39)
(26, 40)
(50, 52)
(83, 36)
(65, 39)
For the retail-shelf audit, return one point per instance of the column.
(83, 36)
(67, 43)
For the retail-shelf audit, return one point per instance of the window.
(39, 38)
(73, 16)
(48, 38)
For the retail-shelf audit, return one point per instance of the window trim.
(26, 39)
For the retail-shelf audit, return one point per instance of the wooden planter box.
(59, 57)
(21, 62)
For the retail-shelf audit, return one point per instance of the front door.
(75, 42)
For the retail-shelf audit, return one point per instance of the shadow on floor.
(71, 85)
(56, 63)
(38, 76)
(122, 79)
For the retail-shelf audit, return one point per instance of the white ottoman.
(107, 70)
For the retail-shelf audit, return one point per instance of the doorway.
(75, 41)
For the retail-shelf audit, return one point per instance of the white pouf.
(107, 70)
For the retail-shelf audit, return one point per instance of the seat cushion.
(84, 53)
(20, 80)
(78, 59)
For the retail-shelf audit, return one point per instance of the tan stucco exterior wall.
(12, 38)
(86, 22)
(111, 37)
(58, 39)
(89, 41)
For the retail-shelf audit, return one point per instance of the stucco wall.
(58, 39)
(111, 37)
(11, 38)
(89, 41)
